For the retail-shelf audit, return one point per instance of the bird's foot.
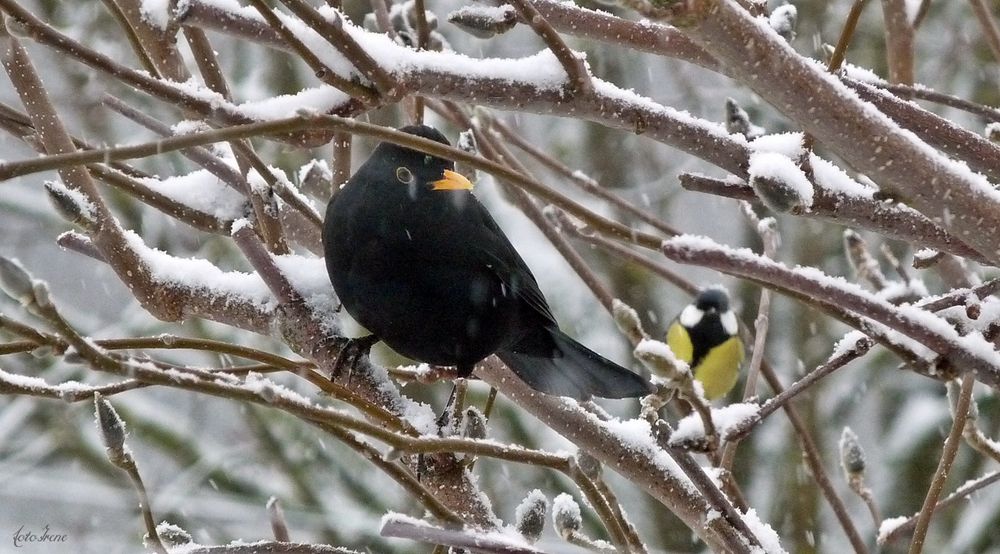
(351, 352)
(449, 420)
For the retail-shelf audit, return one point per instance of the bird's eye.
(428, 159)
(404, 175)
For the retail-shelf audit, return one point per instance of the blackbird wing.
(497, 253)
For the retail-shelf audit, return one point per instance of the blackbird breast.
(406, 268)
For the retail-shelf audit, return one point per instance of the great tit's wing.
(679, 341)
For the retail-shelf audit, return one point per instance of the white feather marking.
(729, 322)
(690, 316)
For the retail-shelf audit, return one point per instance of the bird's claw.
(351, 352)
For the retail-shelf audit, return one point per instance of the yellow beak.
(452, 181)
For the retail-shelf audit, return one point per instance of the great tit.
(705, 336)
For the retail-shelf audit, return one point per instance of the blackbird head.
(418, 171)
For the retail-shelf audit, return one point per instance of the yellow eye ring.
(404, 175)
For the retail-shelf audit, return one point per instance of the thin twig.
(944, 464)
(334, 34)
(988, 25)
(583, 181)
(576, 68)
(199, 154)
(133, 38)
(892, 220)
(707, 487)
(769, 238)
(960, 493)
(814, 460)
(922, 92)
(208, 63)
(899, 41)
(837, 361)
(619, 250)
(846, 34)
(768, 233)
(13, 169)
(320, 70)
(277, 516)
(405, 528)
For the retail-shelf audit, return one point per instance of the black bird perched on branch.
(419, 262)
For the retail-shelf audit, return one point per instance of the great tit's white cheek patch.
(729, 322)
(691, 316)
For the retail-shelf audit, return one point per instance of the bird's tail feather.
(553, 363)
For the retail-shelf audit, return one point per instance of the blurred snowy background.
(211, 464)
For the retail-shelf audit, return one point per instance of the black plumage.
(419, 262)
(709, 331)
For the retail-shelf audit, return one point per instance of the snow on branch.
(628, 447)
(406, 527)
(839, 199)
(535, 84)
(948, 192)
(69, 391)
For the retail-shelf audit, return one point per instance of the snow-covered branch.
(869, 140)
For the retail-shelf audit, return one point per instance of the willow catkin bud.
(71, 205)
(566, 515)
(112, 429)
(852, 456)
(783, 20)
(15, 281)
(484, 22)
(529, 517)
(474, 424)
(173, 535)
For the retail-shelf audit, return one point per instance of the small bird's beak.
(452, 181)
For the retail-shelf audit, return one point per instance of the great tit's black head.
(711, 308)
(713, 299)
(418, 169)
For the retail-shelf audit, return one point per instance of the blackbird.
(420, 263)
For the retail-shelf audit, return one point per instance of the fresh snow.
(155, 13)
(269, 390)
(889, 525)
(903, 289)
(788, 144)
(834, 179)
(770, 543)
(37, 384)
(630, 97)
(200, 274)
(782, 169)
(201, 191)
(307, 275)
(725, 419)
(497, 14)
(565, 508)
(420, 416)
(846, 343)
(636, 435)
(658, 349)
